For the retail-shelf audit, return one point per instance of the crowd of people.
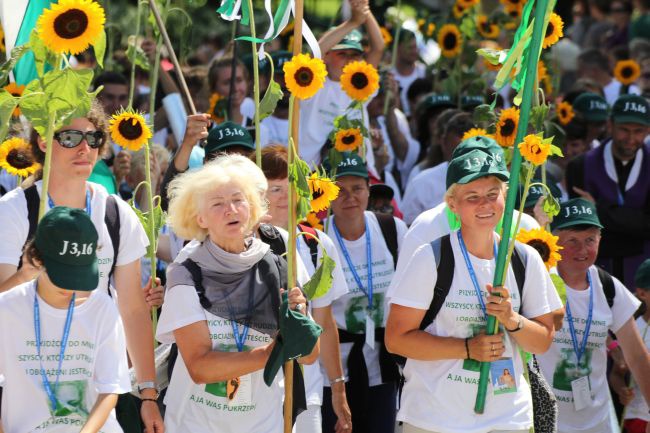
(396, 342)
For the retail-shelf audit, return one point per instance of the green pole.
(529, 88)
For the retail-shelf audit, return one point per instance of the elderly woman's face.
(225, 213)
(580, 248)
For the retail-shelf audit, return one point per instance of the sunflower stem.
(524, 196)
(49, 136)
(256, 87)
(137, 34)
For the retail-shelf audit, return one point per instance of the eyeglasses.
(72, 138)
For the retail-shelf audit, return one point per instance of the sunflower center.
(19, 159)
(449, 41)
(317, 193)
(550, 29)
(508, 128)
(542, 248)
(487, 27)
(304, 76)
(348, 139)
(627, 72)
(129, 129)
(71, 24)
(359, 80)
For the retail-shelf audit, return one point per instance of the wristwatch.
(519, 327)
(148, 385)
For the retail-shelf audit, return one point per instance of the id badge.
(239, 391)
(581, 393)
(370, 330)
(502, 373)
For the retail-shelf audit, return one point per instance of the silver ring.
(299, 307)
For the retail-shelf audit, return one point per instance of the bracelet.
(613, 345)
(337, 380)
(149, 399)
(467, 347)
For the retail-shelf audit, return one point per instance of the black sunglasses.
(72, 138)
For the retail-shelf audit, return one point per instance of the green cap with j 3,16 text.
(226, 135)
(351, 165)
(351, 41)
(631, 109)
(592, 107)
(66, 239)
(297, 337)
(576, 212)
(475, 158)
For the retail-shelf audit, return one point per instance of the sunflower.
(553, 31)
(323, 192)
(450, 40)
(348, 140)
(542, 72)
(304, 75)
(475, 132)
(16, 158)
(129, 130)
(313, 221)
(421, 22)
(15, 91)
(459, 10)
(71, 25)
(430, 29)
(534, 150)
(388, 38)
(487, 29)
(507, 127)
(216, 109)
(514, 12)
(359, 80)
(564, 112)
(627, 71)
(3, 48)
(545, 244)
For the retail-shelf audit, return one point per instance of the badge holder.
(581, 391)
(370, 329)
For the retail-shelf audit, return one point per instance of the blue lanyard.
(348, 260)
(470, 269)
(240, 338)
(64, 342)
(51, 203)
(574, 339)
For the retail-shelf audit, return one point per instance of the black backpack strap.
(445, 263)
(197, 277)
(518, 263)
(272, 237)
(33, 202)
(608, 286)
(112, 221)
(311, 240)
(389, 231)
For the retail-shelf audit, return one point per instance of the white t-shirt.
(612, 91)
(94, 363)
(278, 130)
(425, 191)
(350, 310)
(317, 116)
(439, 395)
(405, 82)
(404, 166)
(203, 408)
(638, 408)
(14, 226)
(314, 377)
(559, 364)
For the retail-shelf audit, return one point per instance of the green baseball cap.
(642, 276)
(576, 212)
(535, 192)
(435, 100)
(228, 134)
(297, 337)
(351, 41)
(476, 163)
(631, 109)
(469, 102)
(66, 239)
(477, 142)
(351, 165)
(592, 107)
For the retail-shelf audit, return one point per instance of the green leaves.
(7, 66)
(537, 116)
(551, 206)
(270, 100)
(7, 105)
(298, 174)
(159, 218)
(42, 55)
(100, 49)
(136, 55)
(320, 283)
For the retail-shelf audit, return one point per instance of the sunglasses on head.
(72, 138)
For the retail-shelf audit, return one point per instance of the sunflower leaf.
(560, 286)
(272, 96)
(538, 115)
(8, 66)
(136, 54)
(7, 105)
(484, 114)
(551, 206)
(556, 151)
(100, 49)
(302, 208)
(42, 55)
(321, 282)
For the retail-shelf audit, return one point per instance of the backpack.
(111, 220)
